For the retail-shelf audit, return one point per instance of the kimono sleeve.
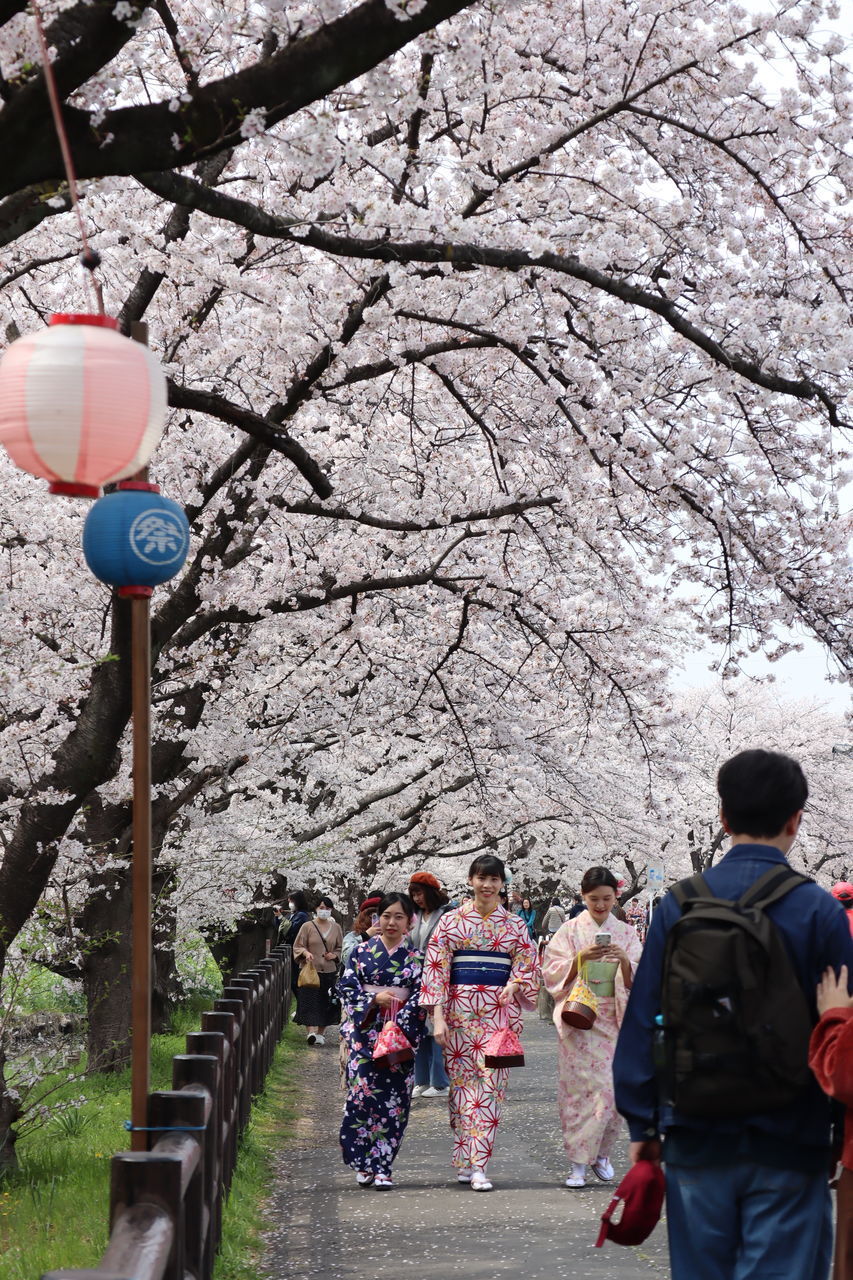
(351, 993)
(525, 967)
(435, 979)
(831, 1054)
(411, 1017)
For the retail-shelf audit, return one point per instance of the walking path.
(322, 1225)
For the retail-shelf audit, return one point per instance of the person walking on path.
(527, 913)
(319, 940)
(297, 906)
(554, 917)
(590, 1122)
(747, 1195)
(481, 966)
(382, 978)
(431, 1079)
(831, 1059)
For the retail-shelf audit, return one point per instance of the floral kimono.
(376, 1110)
(468, 961)
(588, 1116)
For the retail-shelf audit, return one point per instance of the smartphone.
(374, 920)
(602, 939)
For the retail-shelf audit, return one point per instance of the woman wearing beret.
(365, 926)
(431, 1080)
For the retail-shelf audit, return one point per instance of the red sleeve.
(831, 1054)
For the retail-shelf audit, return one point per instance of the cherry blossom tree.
(507, 352)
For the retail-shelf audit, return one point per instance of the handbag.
(308, 975)
(581, 1007)
(503, 1048)
(392, 1044)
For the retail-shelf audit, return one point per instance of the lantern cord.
(90, 257)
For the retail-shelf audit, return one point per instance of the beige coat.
(309, 942)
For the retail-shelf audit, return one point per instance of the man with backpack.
(711, 1063)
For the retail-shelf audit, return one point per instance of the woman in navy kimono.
(381, 975)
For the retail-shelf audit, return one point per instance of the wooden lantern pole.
(140, 679)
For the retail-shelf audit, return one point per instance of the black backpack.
(735, 1022)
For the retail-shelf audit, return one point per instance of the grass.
(53, 1214)
(40, 991)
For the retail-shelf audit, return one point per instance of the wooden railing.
(166, 1203)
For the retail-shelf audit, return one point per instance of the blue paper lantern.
(135, 538)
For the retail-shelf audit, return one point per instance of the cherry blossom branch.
(216, 204)
(309, 508)
(300, 602)
(568, 135)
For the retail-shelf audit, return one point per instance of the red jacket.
(831, 1060)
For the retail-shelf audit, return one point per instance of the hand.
(832, 992)
(386, 998)
(330, 955)
(648, 1150)
(615, 953)
(373, 930)
(507, 994)
(439, 1028)
(592, 953)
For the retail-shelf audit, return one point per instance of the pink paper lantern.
(80, 404)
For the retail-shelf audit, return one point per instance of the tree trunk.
(106, 922)
(242, 949)
(10, 1111)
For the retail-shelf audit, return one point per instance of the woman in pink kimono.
(481, 968)
(590, 1122)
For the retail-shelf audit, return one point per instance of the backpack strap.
(772, 886)
(694, 887)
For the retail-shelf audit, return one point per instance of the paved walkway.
(322, 1225)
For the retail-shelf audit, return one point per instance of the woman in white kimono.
(588, 1116)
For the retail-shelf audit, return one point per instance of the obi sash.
(400, 993)
(480, 968)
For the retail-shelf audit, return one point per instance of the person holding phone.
(608, 951)
(365, 926)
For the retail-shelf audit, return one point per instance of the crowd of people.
(430, 995)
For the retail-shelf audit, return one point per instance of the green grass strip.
(53, 1213)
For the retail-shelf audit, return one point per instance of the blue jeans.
(429, 1064)
(747, 1221)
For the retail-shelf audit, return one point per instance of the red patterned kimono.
(473, 1014)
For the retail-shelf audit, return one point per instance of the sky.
(799, 675)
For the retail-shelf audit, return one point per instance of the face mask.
(291, 906)
(323, 914)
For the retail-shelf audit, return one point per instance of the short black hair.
(759, 791)
(599, 878)
(391, 898)
(300, 902)
(488, 864)
(326, 902)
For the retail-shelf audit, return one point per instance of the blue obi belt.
(480, 968)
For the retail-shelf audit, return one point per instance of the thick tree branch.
(134, 139)
(309, 508)
(264, 430)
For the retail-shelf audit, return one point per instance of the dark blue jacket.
(815, 930)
